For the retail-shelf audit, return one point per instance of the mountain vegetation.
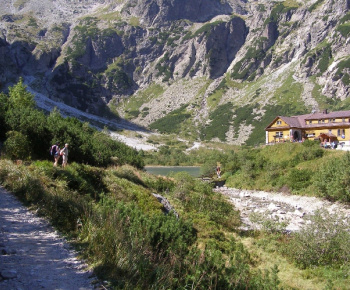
(23, 127)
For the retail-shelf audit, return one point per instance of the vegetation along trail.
(33, 255)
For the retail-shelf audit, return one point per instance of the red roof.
(300, 120)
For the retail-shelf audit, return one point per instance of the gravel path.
(292, 209)
(33, 255)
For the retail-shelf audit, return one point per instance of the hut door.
(296, 135)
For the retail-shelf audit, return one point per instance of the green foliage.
(32, 22)
(85, 30)
(333, 179)
(346, 18)
(261, 8)
(164, 69)
(3, 109)
(298, 178)
(19, 97)
(197, 199)
(62, 207)
(117, 79)
(273, 167)
(344, 29)
(325, 58)
(279, 9)
(17, 146)
(172, 122)
(315, 5)
(134, 21)
(205, 29)
(32, 124)
(323, 241)
(244, 115)
(346, 79)
(242, 68)
(136, 101)
(343, 66)
(87, 145)
(220, 118)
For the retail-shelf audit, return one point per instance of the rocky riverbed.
(294, 210)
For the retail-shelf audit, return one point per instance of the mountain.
(217, 70)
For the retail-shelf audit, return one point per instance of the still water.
(165, 170)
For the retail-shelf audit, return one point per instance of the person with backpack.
(64, 154)
(55, 152)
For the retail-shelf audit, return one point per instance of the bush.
(17, 146)
(38, 132)
(333, 179)
(324, 241)
(298, 179)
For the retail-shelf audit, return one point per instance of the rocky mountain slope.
(203, 69)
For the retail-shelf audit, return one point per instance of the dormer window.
(310, 122)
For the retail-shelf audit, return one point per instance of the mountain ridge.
(211, 70)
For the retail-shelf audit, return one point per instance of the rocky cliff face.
(212, 69)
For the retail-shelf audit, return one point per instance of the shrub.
(333, 178)
(298, 179)
(17, 146)
(323, 241)
(172, 122)
(221, 119)
(87, 145)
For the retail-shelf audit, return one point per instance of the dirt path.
(33, 255)
(293, 209)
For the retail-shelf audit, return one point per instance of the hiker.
(64, 154)
(55, 152)
(218, 171)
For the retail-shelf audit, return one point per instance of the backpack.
(53, 149)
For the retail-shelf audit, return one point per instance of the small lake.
(165, 170)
